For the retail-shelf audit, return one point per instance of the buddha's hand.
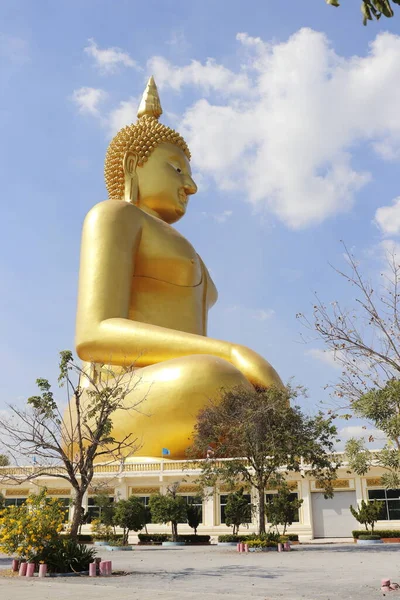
(254, 367)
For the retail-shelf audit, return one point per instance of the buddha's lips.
(182, 197)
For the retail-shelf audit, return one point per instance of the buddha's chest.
(165, 254)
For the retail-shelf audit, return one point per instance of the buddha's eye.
(177, 169)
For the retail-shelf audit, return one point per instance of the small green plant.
(383, 533)
(155, 538)
(260, 543)
(369, 537)
(101, 531)
(367, 513)
(64, 555)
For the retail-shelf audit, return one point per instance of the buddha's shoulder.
(114, 210)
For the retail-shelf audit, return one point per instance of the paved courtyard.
(335, 572)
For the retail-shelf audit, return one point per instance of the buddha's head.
(147, 163)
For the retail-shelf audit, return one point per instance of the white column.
(209, 508)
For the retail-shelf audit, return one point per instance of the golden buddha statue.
(144, 292)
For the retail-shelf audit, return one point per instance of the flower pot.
(272, 549)
(227, 544)
(369, 542)
(173, 543)
(101, 543)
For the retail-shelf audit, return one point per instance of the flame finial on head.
(150, 103)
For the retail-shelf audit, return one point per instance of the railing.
(120, 468)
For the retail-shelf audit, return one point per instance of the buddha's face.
(165, 183)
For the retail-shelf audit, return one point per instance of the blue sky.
(291, 112)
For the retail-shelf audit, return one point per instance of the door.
(331, 516)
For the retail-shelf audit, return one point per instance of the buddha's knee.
(205, 373)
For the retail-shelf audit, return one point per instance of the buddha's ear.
(130, 162)
(131, 188)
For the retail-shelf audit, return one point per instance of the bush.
(369, 537)
(64, 555)
(292, 537)
(101, 531)
(229, 538)
(260, 543)
(148, 538)
(25, 530)
(382, 533)
(130, 515)
(194, 539)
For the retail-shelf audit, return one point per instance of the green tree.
(367, 513)
(107, 508)
(129, 514)
(381, 407)
(74, 440)
(372, 9)
(4, 460)
(264, 438)
(193, 514)
(281, 509)
(168, 508)
(237, 510)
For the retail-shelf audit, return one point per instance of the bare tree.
(364, 339)
(67, 444)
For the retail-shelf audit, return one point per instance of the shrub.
(193, 514)
(229, 538)
(153, 537)
(64, 555)
(261, 543)
(237, 510)
(367, 513)
(27, 529)
(101, 531)
(383, 533)
(369, 537)
(194, 539)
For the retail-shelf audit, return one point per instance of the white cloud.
(108, 60)
(388, 218)
(219, 217)
(286, 140)
(263, 315)
(280, 129)
(325, 356)
(124, 114)
(209, 76)
(373, 437)
(14, 49)
(88, 99)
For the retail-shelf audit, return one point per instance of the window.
(222, 503)
(144, 500)
(93, 511)
(292, 496)
(390, 500)
(14, 501)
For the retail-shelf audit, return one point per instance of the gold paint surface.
(144, 292)
(374, 481)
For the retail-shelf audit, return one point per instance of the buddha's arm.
(104, 333)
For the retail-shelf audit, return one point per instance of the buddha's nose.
(189, 185)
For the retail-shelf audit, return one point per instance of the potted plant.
(169, 508)
(367, 514)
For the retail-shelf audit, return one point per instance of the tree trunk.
(174, 531)
(77, 516)
(261, 510)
